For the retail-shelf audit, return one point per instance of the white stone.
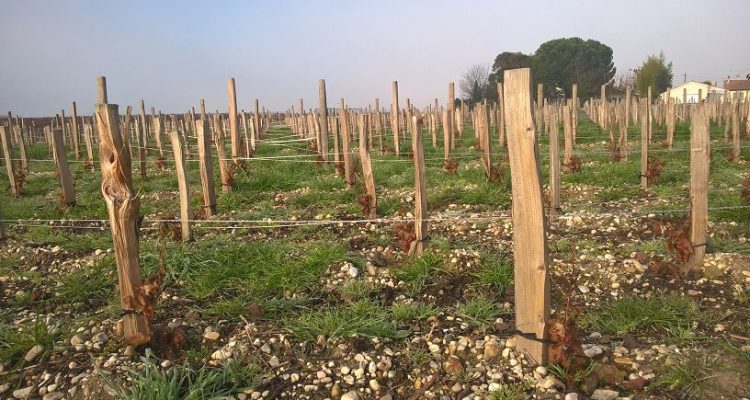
(352, 395)
(584, 289)
(571, 396)
(604, 394)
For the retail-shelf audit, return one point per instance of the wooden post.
(90, 145)
(123, 206)
(364, 157)
(22, 148)
(234, 132)
(700, 165)
(206, 167)
(323, 113)
(447, 126)
(644, 144)
(603, 107)
(484, 140)
(256, 123)
(14, 185)
(74, 132)
(144, 133)
(554, 164)
(420, 190)
(182, 185)
(61, 159)
(532, 295)
(346, 134)
(379, 125)
(539, 110)
(670, 119)
(650, 116)
(451, 116)
(500, 115)
(574, 110)
(734, 111)
(158, 131)
(568, 135)
(627, 106)
(395, 125)
(248, 148)
(226, 177)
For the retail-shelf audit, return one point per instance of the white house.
(692, 90)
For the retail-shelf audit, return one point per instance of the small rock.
(491, 350)
(53, 396)
(101, 337)
(129, 351)
(374, 385)
(23, 393)
(33, 353)
(336, 391)
(352, 395)
(274, 362)
(571, 396)
(604, 394)
(212, 336)
(584, 289)
(76, 340)
(221, 354)
(166, 364)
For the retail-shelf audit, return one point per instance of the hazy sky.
(173, 53)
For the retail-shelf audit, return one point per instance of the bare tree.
(474, 83)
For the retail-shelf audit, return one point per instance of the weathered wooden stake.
(234, 132)
(644, 144)
(568, 134)
(323, 114)
(554, 164)
(395, 112)
(226, 177)
(74, 130)
(500, 115)
(364, 157)
(61, 159)
(182, 185)
(532, 295)
(346, 133)
(700, 165)
(206, 166)
(14, 185)
(420, 190)
(22, 148)
(123, 206)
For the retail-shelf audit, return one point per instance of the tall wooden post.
(644, 144)
(451, 108)
(539, 110)
(364, 157)
(554, 164)
(532, 295)
(21, 140)
(123, 206)
(627, 106)
(700, 165)
(346, 134)
(61, 159)
(420, 190)
(90, 145)
(226, 175)
(256, 123)
(574, 110)
(234, 132)
(650, 116)
(603, 107)
(182, 185)
(5, 137)
(379, 125)
(74, 130)
(735, 111)
(500, 115)
(568, 135)
(395, 125)
(144, 133)
(206, 167)
(323, 114)
(484, 140)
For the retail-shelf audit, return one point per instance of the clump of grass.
(418, 270)
(91, 286)
(496, 272)
(355, 290)
(409, 311)
(511, 391)
(690, 376)
(184, 382)
(479, 311)
(668, 313)
(15, 342)
(362, 318)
